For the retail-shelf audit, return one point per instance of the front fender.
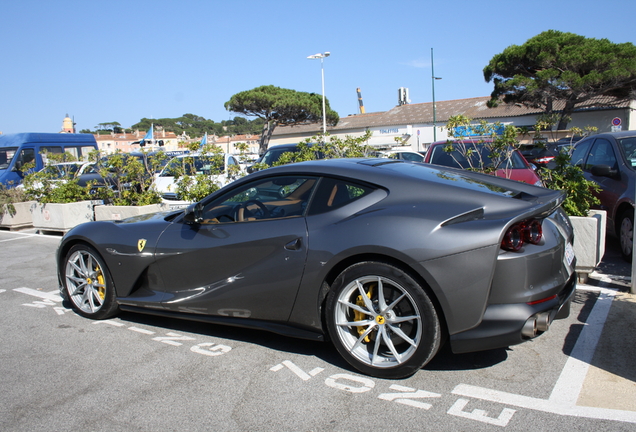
(127, 253)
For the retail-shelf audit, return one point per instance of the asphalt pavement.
(610, 381)
(138, 372)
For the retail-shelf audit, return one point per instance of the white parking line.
(24, 236)
(13, 239)
(51, 295)
(566, 391)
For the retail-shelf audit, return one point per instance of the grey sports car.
(386, 258)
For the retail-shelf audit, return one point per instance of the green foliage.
(569, 178)
(580, 192)
(194, 184)
(555, 66)
(129, 179)
(498, 146)
(315, 148)
(278, 106)
(8, 197)
(109, 126)
(564, 176)
(47, 187)
(196, 126)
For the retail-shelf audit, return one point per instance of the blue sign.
(468, 131)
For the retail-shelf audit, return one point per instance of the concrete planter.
(22, 217)
(589, 241)
(109, 212)
(61, 217)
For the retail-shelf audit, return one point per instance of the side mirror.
(18, 166)
(193, 215)
(603, 171)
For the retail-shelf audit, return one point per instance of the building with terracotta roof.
(413, 123)
(127, 142)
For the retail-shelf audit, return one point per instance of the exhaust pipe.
(543, 321)
(529, 329)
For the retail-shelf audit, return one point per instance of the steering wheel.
(242, 209)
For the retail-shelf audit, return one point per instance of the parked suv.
(273, 154)
(609, 160)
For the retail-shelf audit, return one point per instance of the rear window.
(459, 179)
(471, 157)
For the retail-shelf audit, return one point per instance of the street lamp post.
(433, 78)
(322, 56)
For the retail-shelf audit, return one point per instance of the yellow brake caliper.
(100, 280)
(359, 316)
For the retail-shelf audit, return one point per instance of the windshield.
(471, 157)
(6, 155)
(62, 170)
(184, 166)
(273, 155)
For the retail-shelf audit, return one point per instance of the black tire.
(625, 231)
(88, 283)
(409, 327)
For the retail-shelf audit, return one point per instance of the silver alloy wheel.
(378, 321)
(626, 235)
(85, 281)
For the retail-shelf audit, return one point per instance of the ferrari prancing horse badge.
(141, 244)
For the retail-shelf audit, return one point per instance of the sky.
(120, 61)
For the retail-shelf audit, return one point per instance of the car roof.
(471, 140)
(197, 154)
(398, 151)
(395, 174)
(622, 134)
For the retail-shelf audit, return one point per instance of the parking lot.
(64, 372)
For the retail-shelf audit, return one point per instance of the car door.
(246, 256)
(612, 187)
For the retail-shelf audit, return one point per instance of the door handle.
(293, 245)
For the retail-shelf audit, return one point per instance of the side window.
(51, 149)
(84, 152)
(334, 193)
(271, 198)
(601, 154)
(26, 156)
(72, 153)
(580, 153)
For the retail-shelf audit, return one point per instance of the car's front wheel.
(88, 283)
(626, 234)
(382, 321)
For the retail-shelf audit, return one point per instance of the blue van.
(22, 148)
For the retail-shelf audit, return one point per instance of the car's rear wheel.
(382, 321)
(88, 283)
(626, 234)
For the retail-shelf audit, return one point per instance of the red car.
(515, 167)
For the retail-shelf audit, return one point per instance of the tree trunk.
(266, 134)
(566, 114)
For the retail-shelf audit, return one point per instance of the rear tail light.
(544, 160)
(528, 231)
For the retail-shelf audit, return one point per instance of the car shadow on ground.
(445, 360)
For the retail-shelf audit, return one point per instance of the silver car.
(386, 258)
